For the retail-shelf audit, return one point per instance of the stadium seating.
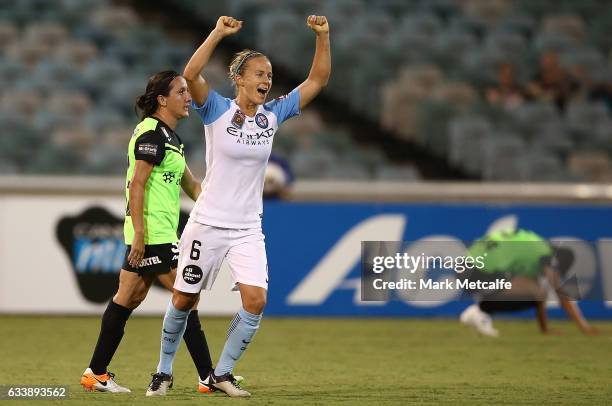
(466, 135)
(418, 68)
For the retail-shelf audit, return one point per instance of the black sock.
(495, 306)
(111, 332)
(196, 344)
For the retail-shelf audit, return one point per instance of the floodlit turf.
(328, 362)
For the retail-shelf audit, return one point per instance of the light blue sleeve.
(213, 108)
(285, 107)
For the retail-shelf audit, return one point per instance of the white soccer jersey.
(237, 152)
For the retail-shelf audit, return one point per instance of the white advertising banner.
(62, 254)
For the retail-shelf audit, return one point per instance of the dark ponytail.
(159, 84)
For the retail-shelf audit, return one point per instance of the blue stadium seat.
(465, 137)
(277, 35)
(583, 118)
(107, 160)
(532, 117)
(312, 163)
(411, 47)
(511, 44)
(122, 94)
(518, 23)
(46, 120)
(343, 10)
(102, 119)
(502, 157)
(98, 74)
(444, 9)
(451, 46)
(11, 70)
(555, 42)
(542, 166)
(589, 59)
(421, 23)
(553, 137)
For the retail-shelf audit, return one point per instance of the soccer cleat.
(101, 383)
(159, 384)
(227, 384)
(204, 386)
(481, 321)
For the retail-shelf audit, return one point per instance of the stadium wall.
(62, 241)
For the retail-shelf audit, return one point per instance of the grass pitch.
(328, 362)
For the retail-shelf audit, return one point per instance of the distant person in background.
(506, 93)
(552, 83)
(278, 178)
(225, 223)
(520, 257)
(157, 171)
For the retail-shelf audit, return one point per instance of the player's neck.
(246, 106)
(167, 118)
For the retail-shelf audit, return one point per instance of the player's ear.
(239, 80)
(161, 100)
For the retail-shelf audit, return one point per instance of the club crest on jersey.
(238, 119)
(261, 120)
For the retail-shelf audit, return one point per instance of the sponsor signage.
(314, 251)
(72, 249)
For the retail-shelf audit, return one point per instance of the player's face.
(257, 79)
(179, 98)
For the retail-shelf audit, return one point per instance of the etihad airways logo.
(251, 138)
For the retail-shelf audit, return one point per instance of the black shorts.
(158, 258)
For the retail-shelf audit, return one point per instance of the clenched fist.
(228, 25)
(318, 24)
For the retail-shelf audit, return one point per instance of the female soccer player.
(226, 220)
(521, 257)
(156, 173)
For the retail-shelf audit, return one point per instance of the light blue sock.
(241, 331)
(175, 322)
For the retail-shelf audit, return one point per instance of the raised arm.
(321, 63)
(190, 185)
(570, 307)
(193, 71)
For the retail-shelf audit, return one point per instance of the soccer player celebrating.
(226, 219)
(520, 256)
(156, 173)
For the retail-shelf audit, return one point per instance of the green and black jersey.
(520, 252)
(155, 142)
